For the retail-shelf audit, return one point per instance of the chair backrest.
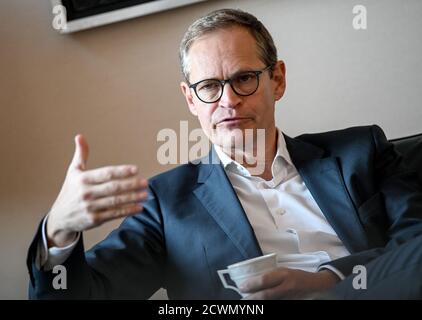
(411, 149)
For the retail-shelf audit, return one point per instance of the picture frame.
(75, 15)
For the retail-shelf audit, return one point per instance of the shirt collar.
(282, 155)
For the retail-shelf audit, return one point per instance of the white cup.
(241, 271)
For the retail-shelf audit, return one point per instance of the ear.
(279, 78)
(189, 97)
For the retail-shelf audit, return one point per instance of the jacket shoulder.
(353, 138)
(178, 177)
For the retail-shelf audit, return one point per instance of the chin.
(231, 138)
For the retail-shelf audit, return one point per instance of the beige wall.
(118, 85)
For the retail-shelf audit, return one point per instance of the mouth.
(233, 120)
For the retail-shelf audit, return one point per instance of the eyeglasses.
(243, 84)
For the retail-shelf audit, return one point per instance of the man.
(325, 203)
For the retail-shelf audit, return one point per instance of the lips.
(232, 120)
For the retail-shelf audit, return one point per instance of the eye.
(245, 77)
(208, 86)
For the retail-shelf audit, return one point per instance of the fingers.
(283, 283)
(120, 200)
(116, 213)
(265, 281)
(267, 294)
(80, 157)
(106, 174)
(116, 187)
(265, 287)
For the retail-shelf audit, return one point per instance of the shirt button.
(281, 211)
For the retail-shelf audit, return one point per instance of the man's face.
(220, 55)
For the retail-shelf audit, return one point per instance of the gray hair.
(225, 18)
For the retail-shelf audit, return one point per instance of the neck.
(257, 161)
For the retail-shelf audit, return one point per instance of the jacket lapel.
(323, 178)
(218, 197)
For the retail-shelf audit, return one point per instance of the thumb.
(80, 156)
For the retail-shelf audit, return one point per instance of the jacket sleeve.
(128, 264)
(401, 192)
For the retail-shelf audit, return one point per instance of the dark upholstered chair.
(411, 149)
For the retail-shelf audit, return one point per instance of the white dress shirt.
(283, 214)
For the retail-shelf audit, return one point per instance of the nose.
(229, 99)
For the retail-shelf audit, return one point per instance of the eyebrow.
(235, 74)
(242, 71)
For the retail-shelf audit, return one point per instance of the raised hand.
(88, 198)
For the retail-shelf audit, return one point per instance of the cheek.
(261, 103)
(264, 107)
(205, 112)
(205, 117)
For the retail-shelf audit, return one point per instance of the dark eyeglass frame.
(229, 81)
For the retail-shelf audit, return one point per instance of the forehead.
(223, 52)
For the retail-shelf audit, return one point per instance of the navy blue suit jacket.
(193, 224)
